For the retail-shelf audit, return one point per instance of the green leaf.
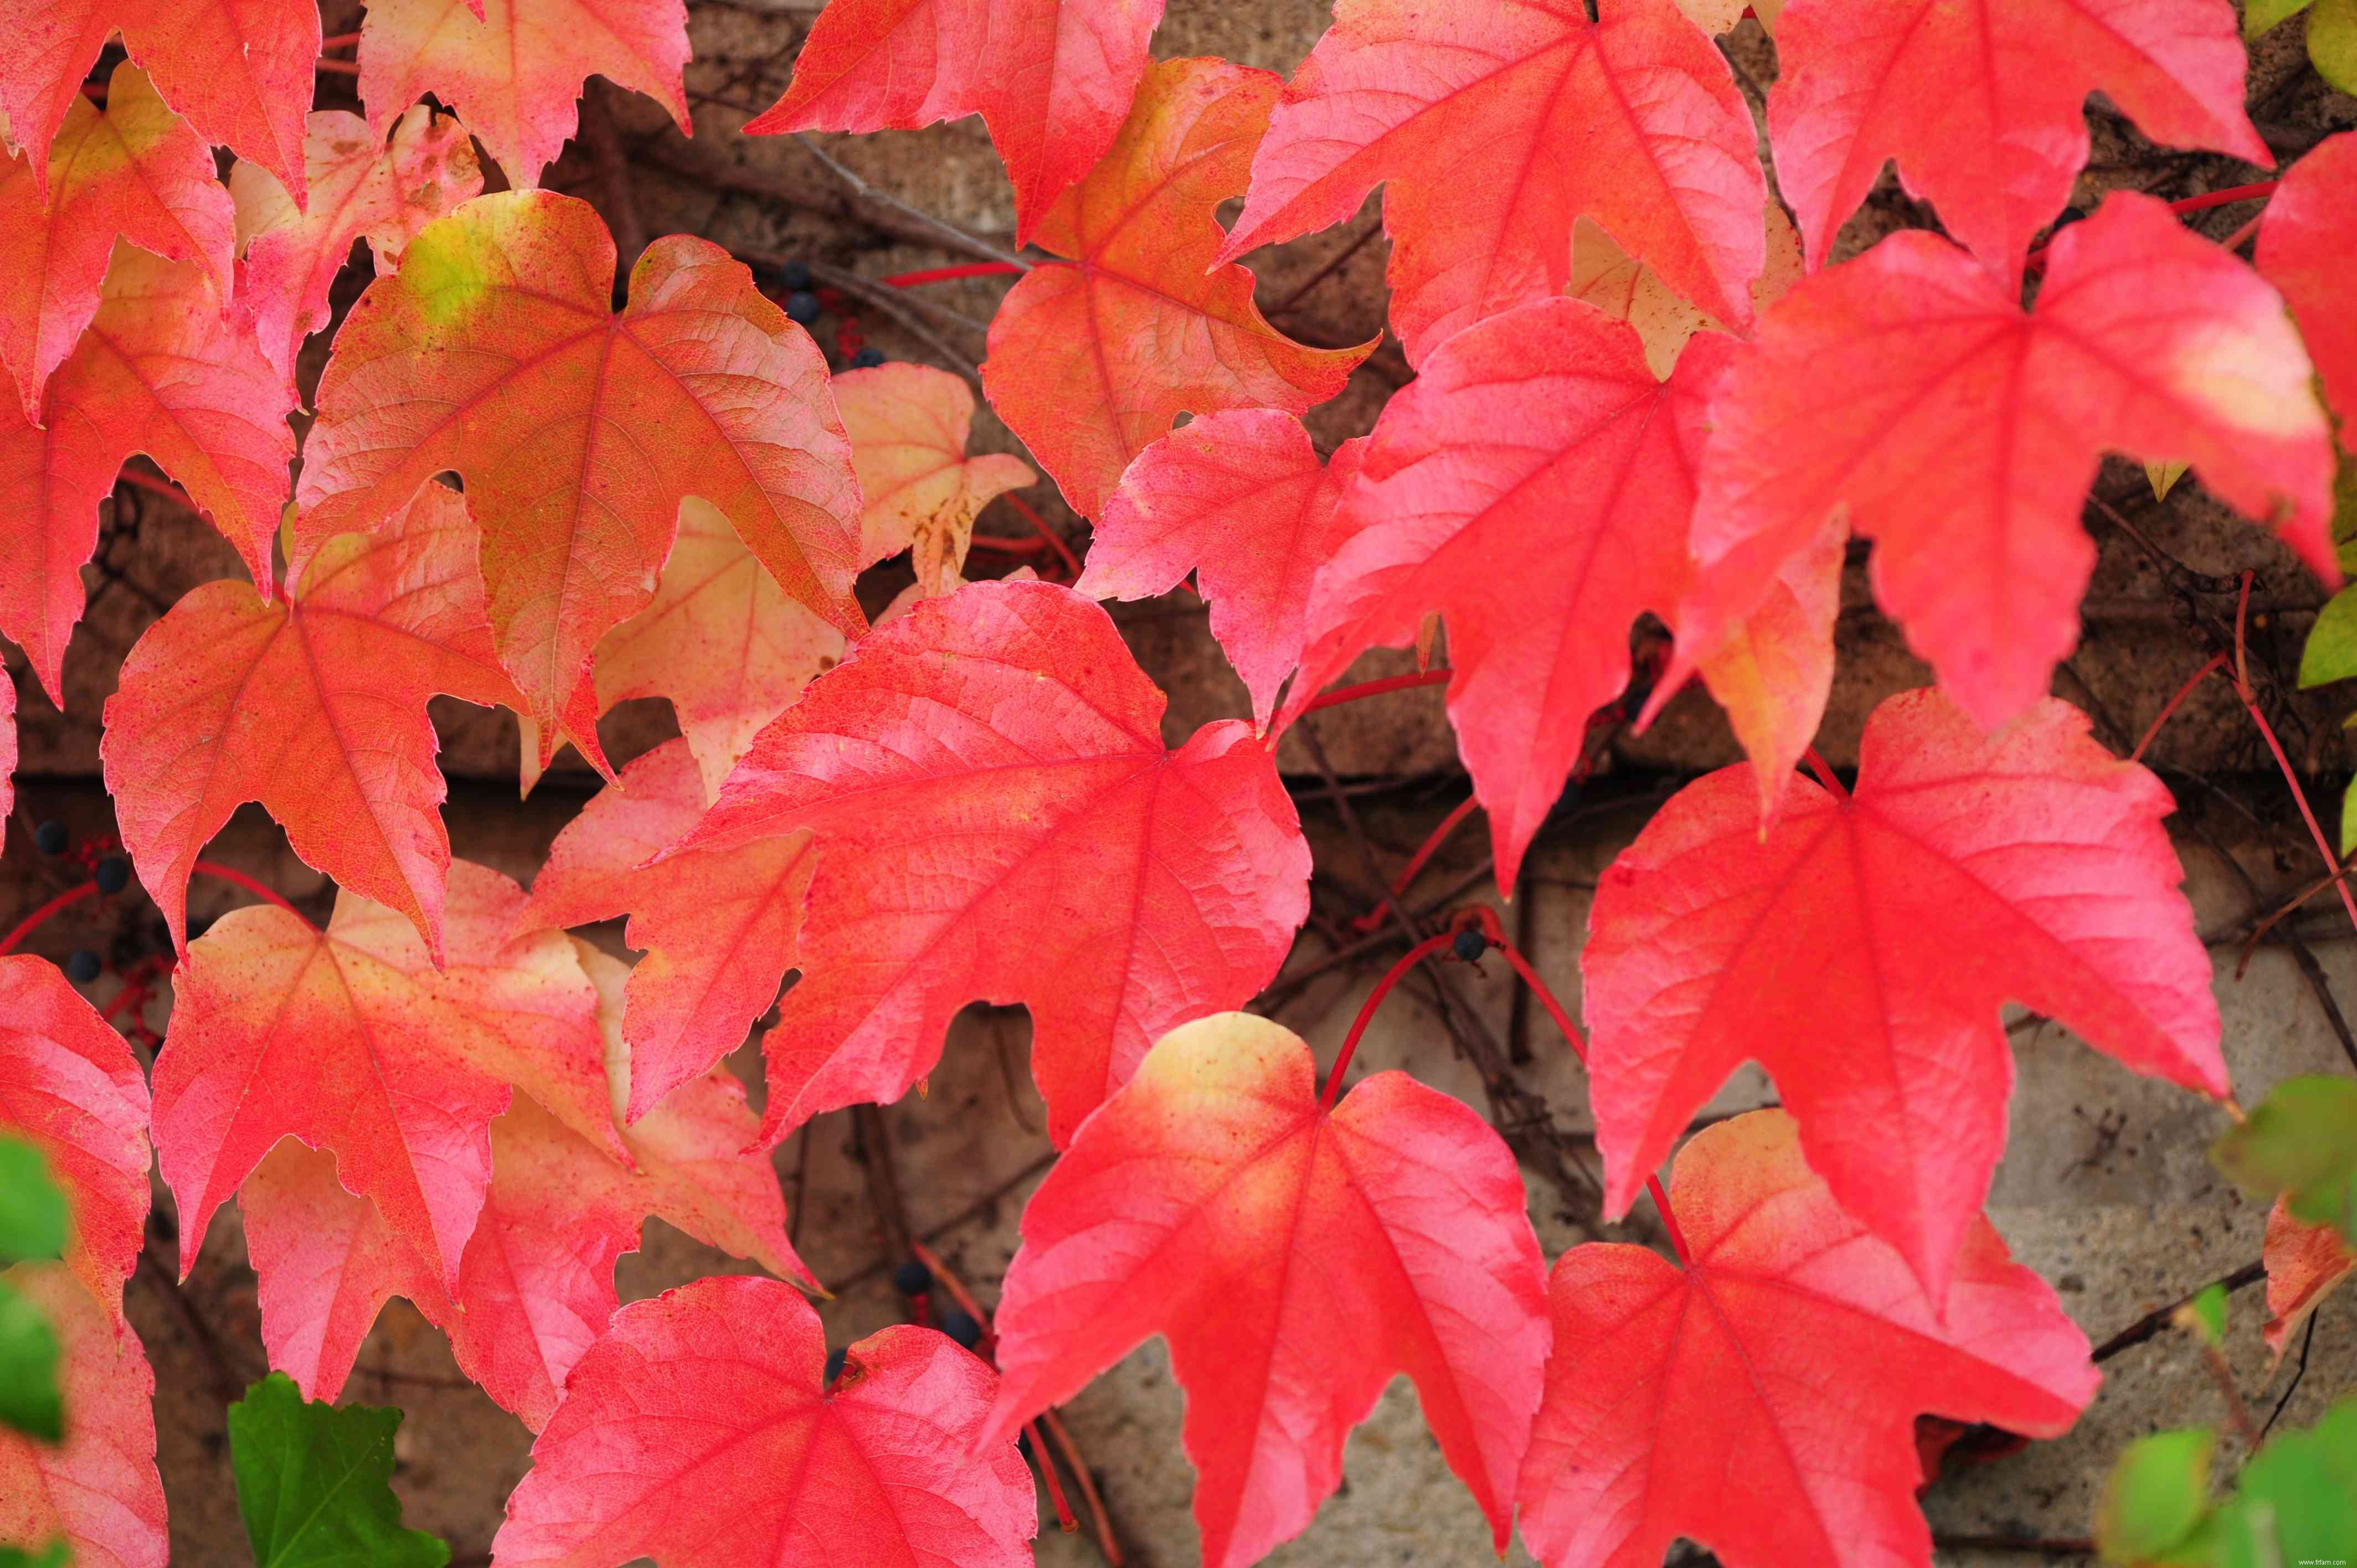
(2297, 1501)
(2302, 1142)
(2332, 42)
(2349, 820)
(2332, 651)
(2163, 477)
(32, 1209)
(2155, 1497)
(315, 1483)
(2206, 1314)
(29, 1400)
(2260, 15)
(57, 1556)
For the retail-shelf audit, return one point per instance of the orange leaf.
(536, 1283)
(1498, 125)
(2305, 1262)
(314, 707)
(1053, 79)
(362, 186)
(720, 639)
(1092, 358)
(69, 1086)
(719, 929)
(133, 170)
(514, 68)
(1618, 283)
(238, 71)
(99, 1490)
(352, 1040)
(908, 426)
(580, 432)
(160, 371)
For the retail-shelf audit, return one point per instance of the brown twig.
(892, 302)
(612, 168)
(2027, 1545)
(2150, 1325)
(1520, 1117)
(970, 1211)
(855, 200)
(1341, 259)
(871, 1144)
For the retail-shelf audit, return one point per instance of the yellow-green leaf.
(2301, 1142)
(2155, 1497)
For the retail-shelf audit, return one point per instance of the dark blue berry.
(1471, 944)
(913, 1278)
(866, 358)
(962, 1328)
(113, 874)
(51, 838)
(796, 276)
(802, 307)
(835, 1360)
(82, 967)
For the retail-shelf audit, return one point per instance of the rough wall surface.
(2104, 1190)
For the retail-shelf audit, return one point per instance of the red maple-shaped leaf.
(909, 425)
(362, 185)
(2308, 248)
(493, 352)
(720, 639)
(514, 69)
(536, 1283)
(133, 170)
(1498, 125)
(1534, 485)
(719, 927)
(1093, 356)
(993, 762)
(1240, 499)
(1983, 104)
(2305, 1263)
(325, 1262)
(98, 1490)
(238, 71)
(160, 371)
(69, 1086)
(314, 707)
(1762, 1400)
(1861, 947)
(1908, 389)
(352, 1040)
(1053, 79)
(701, 1427)
(1295, 1259)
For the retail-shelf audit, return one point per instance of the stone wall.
(2104, 1190)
